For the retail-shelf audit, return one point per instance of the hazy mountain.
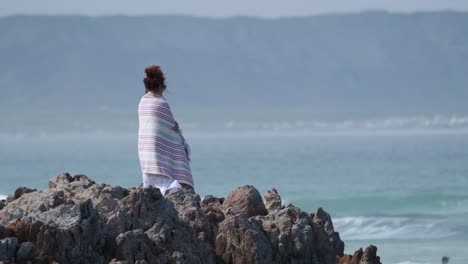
(373, 62)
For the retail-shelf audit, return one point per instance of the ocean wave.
(255, 127)
(398, 227)
(65, 135)
(389, 123)
(2, 197)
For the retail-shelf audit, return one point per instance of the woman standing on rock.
(163, 152)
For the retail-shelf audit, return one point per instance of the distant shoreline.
(236, 16)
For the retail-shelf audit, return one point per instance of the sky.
(221, 8)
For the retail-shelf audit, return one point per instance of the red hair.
(154, 80)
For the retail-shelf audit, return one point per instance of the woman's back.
(161, 147)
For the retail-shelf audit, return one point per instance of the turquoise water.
(406, 193)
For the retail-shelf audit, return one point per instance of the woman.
(164, 154)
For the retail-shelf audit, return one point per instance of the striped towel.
(161, 149)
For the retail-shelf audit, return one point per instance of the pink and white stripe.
(161, 149)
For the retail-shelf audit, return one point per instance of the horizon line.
(235, 16)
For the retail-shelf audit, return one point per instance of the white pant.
(162, 182)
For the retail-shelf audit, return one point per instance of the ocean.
(404, 191)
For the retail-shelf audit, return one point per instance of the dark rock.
(245, 199)
(184, 231)
(272, 200)
(324, 221)
(68, 233)
(60, 181)
(5, 232)
(291, 235)
(141, 209)
(79, 221)
(22, 190)
(8, 248)
(212, 207)
(187, 204)
(134, 246)
(241, 240)
(25, 252)
(65, 180)
(369, 256)
(2, 204)
(82, 180)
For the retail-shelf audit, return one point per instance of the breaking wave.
(255, 127)
(391, 123)
(398, 227)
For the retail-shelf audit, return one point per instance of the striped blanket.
(161, 148)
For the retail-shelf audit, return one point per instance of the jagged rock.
(5, 232)
(147, 209)
(369, 256)
(241, 240)
(140, 209)
(2, 204)
(347, 259)
(22, 190)
(323, 219)
(60, 181)
(65, 180)
(8, 248)
(77, 220)
(291, 235)
(245, 199)
(25, 252)
(187, 204)
(18, 193)
(68, 233)
(272, 200)
(80, 188)
(135, 246)
(213, 209)
(331, 240)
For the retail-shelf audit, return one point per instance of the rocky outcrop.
(8, 247)
(77, 220)
(272, 200)
(245, 199)
(369, 256)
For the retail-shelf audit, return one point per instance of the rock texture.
(77, 220)
(245, 199)
(368, 256)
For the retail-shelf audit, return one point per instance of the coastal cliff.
(77, 220)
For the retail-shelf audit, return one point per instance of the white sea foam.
(361, 228)
(404, 122)
(241, 127)
(2, 197)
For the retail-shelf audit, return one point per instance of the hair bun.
(154, 80)
(153, 71)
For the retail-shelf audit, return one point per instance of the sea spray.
(396, 227)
